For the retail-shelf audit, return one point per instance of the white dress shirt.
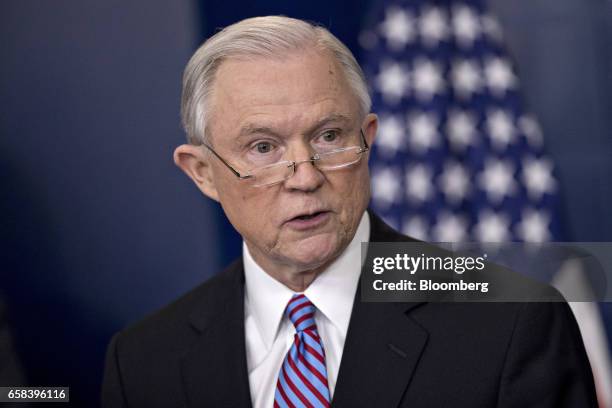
(269, 334)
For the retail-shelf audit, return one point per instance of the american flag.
(456, 158)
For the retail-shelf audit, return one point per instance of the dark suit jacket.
(192, 353)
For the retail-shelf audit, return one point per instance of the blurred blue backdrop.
(99, 228)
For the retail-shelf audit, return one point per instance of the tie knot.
(301, 311)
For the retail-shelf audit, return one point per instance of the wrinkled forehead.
(289, 92)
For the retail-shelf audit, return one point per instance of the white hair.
(268, 37)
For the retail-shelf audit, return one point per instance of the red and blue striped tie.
(302, 381)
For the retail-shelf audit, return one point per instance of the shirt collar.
(332, 292)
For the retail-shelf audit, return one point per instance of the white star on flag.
(415, 227)
(423, 131)
(501, 128)
(466, 78)
(433, 26)
(492, 227)
(533, 226)
(466, 25)
(391, 134)
(418, 183)
(537, 176)
(461, 129)
(497, 179)
(398, 27)
(450, 228)
(499, 76)
(454, 182)
(386, 188)
(427, 79)
(393, 81)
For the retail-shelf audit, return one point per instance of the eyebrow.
(334, 117)
(251, 128)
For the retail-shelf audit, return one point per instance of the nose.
(306, 177)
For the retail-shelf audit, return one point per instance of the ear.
(196, 164)
(370, 127)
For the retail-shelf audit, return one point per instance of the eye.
(263, 147)
(329, 136)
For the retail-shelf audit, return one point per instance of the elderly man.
(278, 119)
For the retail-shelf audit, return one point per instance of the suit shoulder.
(382, 232)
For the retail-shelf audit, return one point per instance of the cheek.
(354, 195)
(359, 186)
(233, 200)
(247, 208)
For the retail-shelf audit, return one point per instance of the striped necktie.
(302, 380)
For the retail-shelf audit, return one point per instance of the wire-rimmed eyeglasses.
(283, 170)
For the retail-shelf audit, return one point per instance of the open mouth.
(309, 221)
(309, 217)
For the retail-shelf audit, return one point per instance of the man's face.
(265, 110)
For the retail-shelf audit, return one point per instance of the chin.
(315, 251)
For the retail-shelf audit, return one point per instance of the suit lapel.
(382, 347)
(381, 351)
(215, 370)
